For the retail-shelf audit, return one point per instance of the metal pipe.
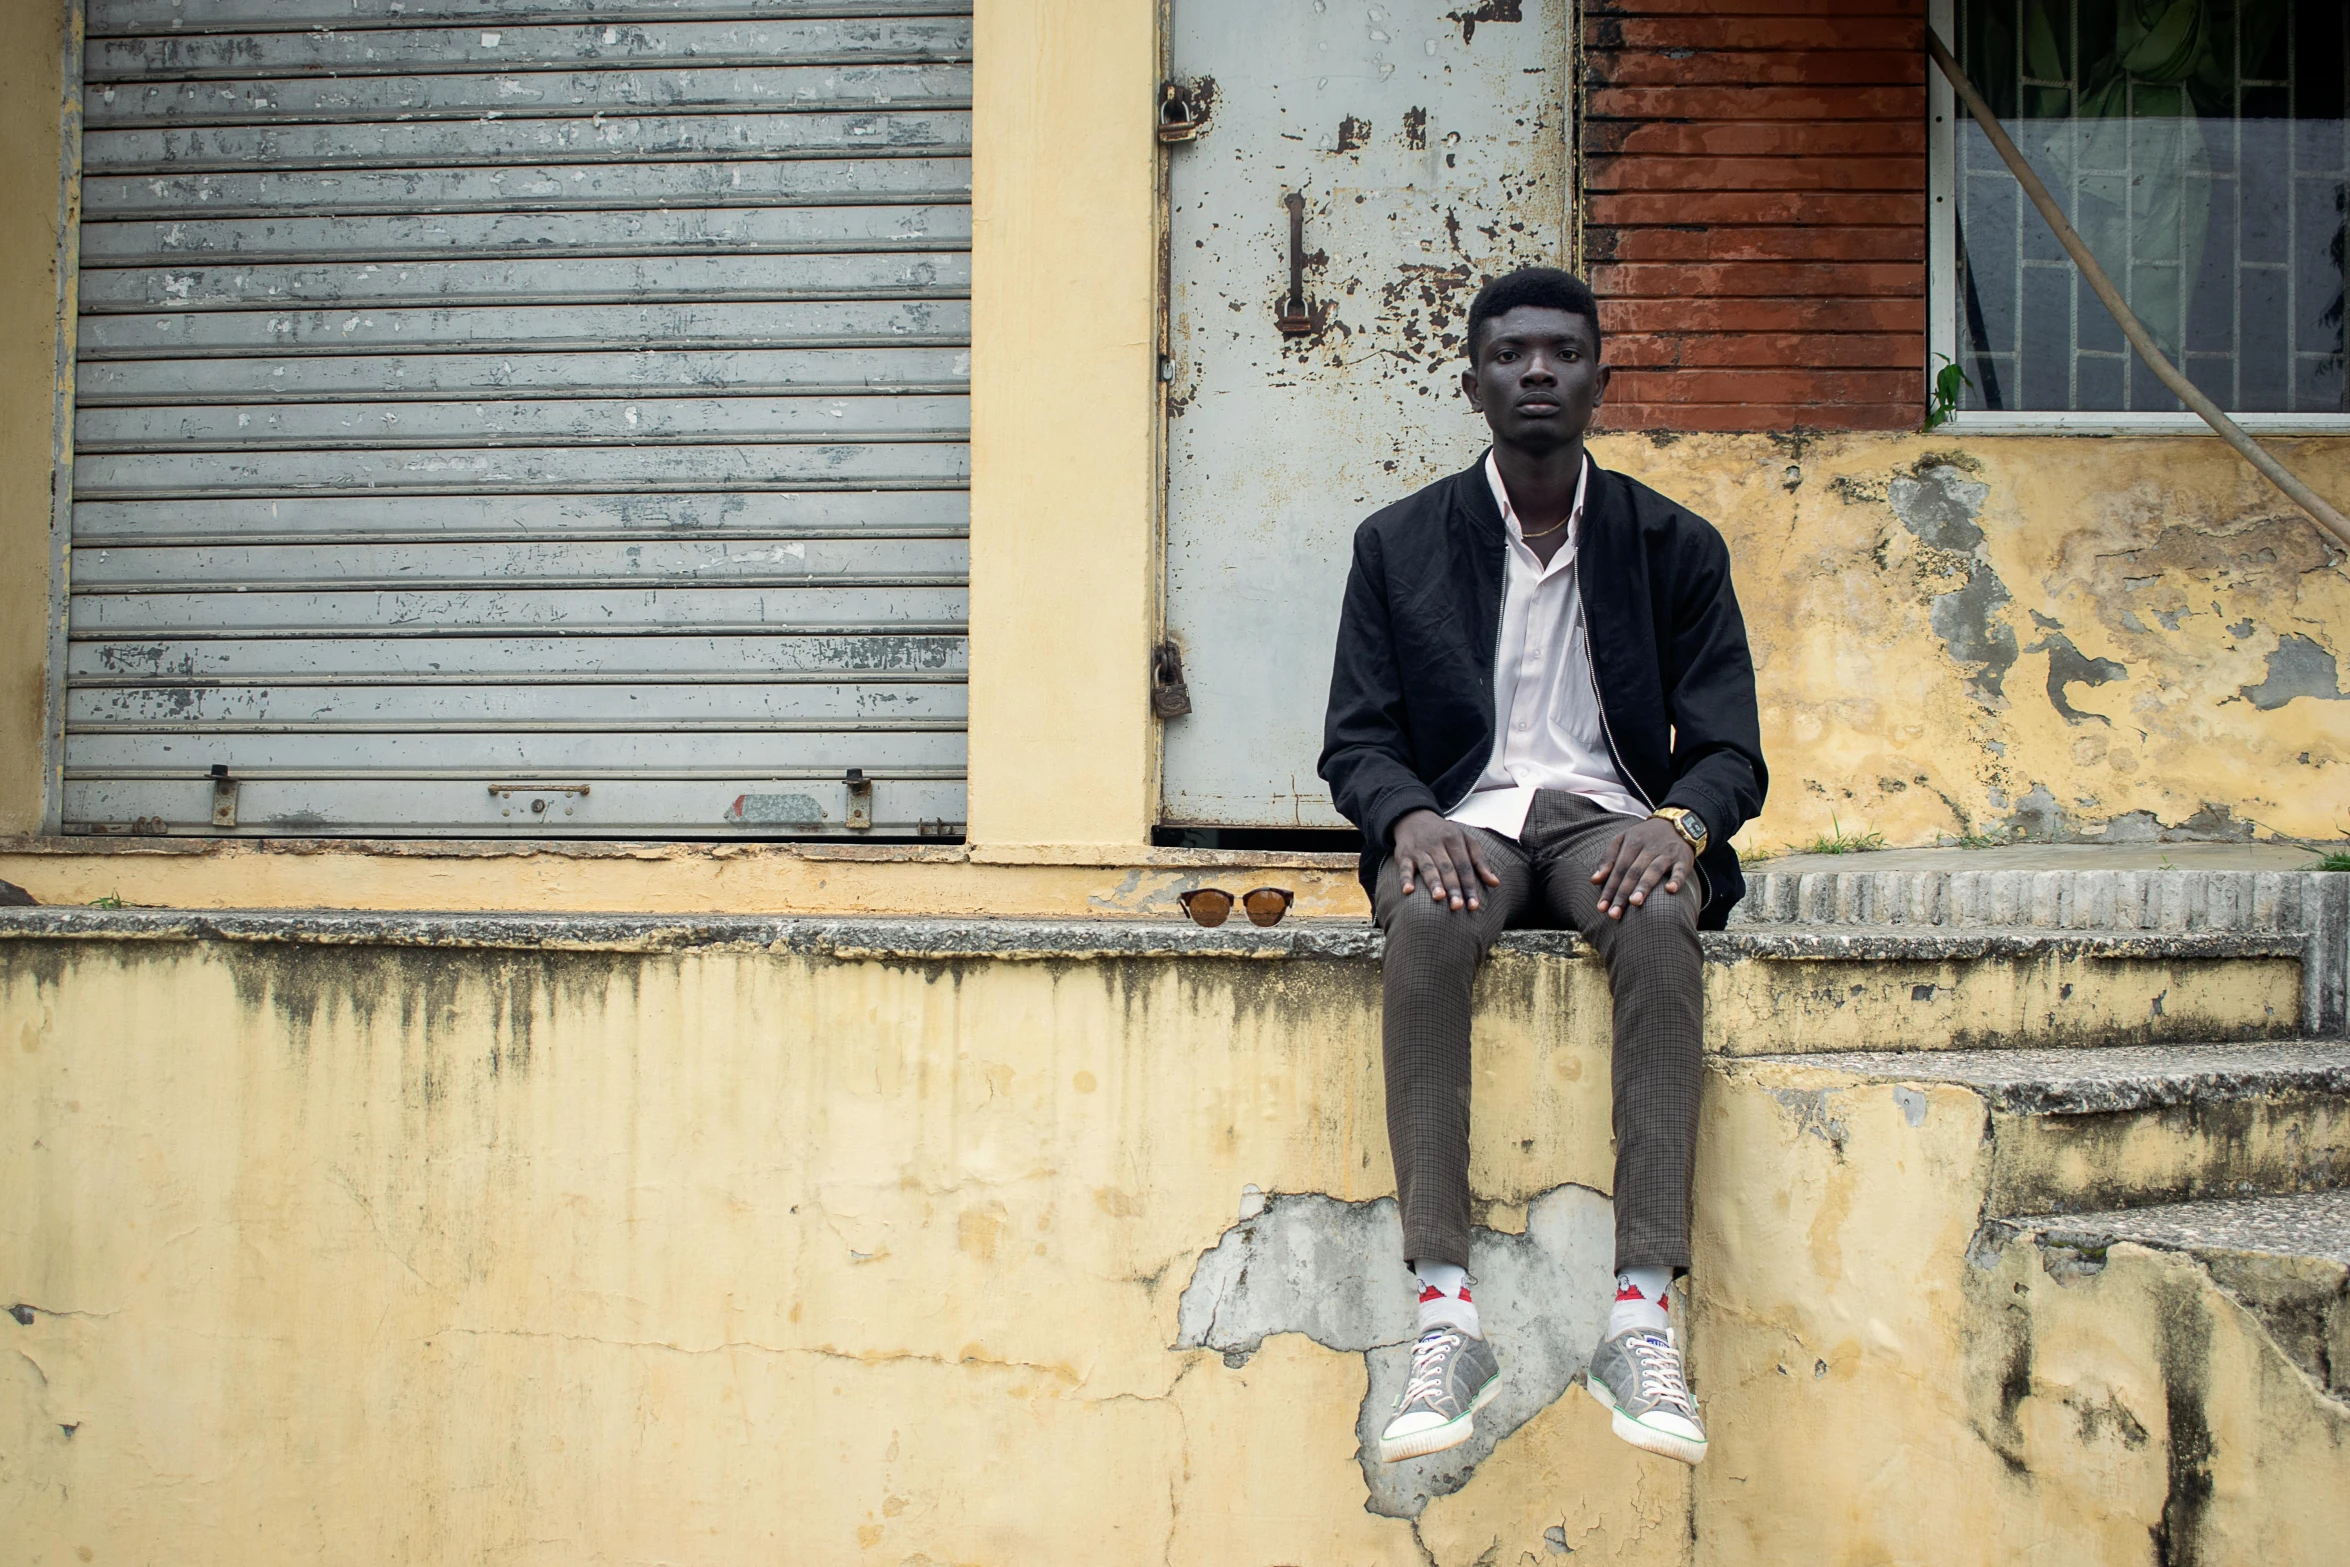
(2140, 339)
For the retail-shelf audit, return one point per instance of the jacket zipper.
(1606, 733)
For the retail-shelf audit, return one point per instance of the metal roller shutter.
(521, 418)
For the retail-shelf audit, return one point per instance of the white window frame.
(1942, 306)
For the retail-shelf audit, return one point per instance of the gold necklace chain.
(1545, 533)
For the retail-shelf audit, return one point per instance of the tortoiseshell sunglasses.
(1211, 906)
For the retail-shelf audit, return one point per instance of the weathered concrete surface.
(2079, 887)
(1335, 1273)
(2119, 640)
(1767, 991)
(1863, 1341)
(2234, 855)
(698, 1254)
(572, 1241)
(2287, 1258)
(2085, 1129)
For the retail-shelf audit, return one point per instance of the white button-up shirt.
(1547, 730)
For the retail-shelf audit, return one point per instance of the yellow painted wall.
(1905, 666)
(423, 1255)
(32, 51)
(1064, 426)
(695, 878)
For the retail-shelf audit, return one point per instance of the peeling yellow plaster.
(2162, 567)
(419, 1255)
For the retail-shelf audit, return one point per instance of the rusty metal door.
(521, 416)
(1427, 142)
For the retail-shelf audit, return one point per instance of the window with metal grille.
(2200, 148)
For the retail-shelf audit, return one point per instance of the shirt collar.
(1509, 513)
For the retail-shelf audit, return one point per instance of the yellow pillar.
(32, 101)
(1064, 428)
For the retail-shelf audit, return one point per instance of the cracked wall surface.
(2069, 638)
(1947, 1394)
(622, 1251)
(442, 1253)
(1334, 1273)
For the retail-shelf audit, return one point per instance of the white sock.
(1444, 1298)
(1642, 1299)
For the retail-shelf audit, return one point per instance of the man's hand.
(1445, 855)
(1642, 855)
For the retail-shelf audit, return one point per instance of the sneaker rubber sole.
(1437, 1439)
(1662, 1443)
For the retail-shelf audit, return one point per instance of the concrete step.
(2080, 888)
(1787, 991)
(2119, 1127)
(2287, 1258)
(1769, 990)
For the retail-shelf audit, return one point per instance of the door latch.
(1184, 107)
(224, 797)
(860, 800)
(1294, 319)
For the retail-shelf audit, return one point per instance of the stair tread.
(2104, 1078)
(2301, 1224)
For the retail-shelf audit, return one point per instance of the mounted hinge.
(224, 796)
(1184, 107)
(860, 800)
(1170, 697)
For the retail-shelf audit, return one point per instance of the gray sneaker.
(1453, 1376)
(1636, 1376)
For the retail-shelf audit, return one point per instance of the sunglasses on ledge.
(1212, 906)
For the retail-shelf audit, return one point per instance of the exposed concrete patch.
(2038, 816)
(2297, 666)
(1334, 1271)
(2069, 666)
(1809, 1109)
(1940, 506)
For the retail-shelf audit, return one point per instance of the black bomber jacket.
(1411, 719)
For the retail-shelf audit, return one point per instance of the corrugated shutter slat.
(540, 419)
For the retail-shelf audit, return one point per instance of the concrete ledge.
(2301, 1224)
(1017, 939)
(2109, 1079)
(2285, 1258)
(1967, 888)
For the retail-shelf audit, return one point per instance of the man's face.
(1537, 378)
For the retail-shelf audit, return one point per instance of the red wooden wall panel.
(1755, 211)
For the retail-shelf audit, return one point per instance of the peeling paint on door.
(1430, 155)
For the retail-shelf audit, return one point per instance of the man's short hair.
(1544, 286)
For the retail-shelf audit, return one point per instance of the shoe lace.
(1660, 1371)
(1428, 1357)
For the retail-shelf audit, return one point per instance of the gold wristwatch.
(1686, 822)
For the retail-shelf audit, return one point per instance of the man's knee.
(1661, 931)
(1421, 928)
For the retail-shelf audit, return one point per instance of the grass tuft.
(112, 900)
(1837, 841)
(2333, 860)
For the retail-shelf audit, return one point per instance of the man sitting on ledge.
(1543, 713)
